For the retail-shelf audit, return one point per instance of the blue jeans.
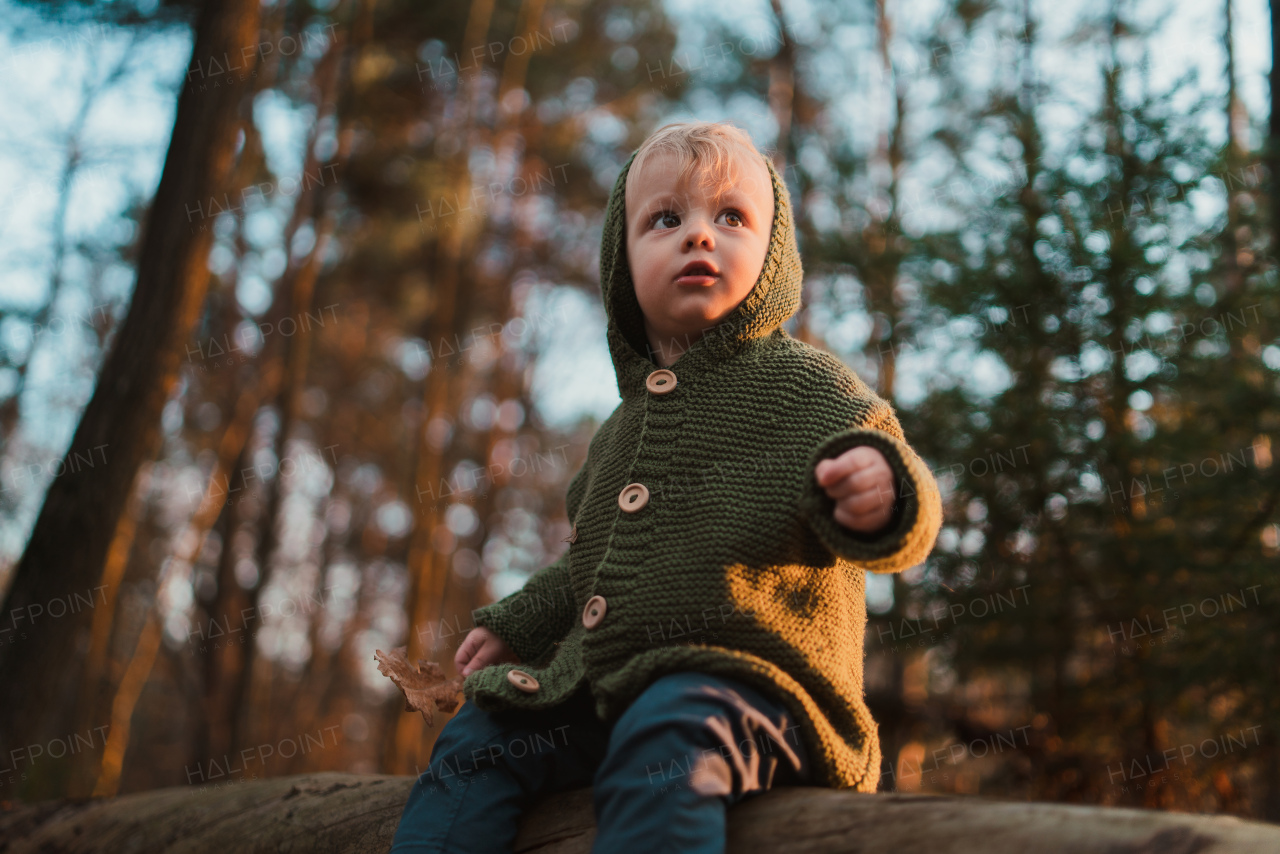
(664, 773)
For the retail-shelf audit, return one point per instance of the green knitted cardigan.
(736, 565)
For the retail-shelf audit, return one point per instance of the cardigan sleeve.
(541, 612)
(908, 537)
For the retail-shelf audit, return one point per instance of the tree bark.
(331, 812)
(120, 428)
(1271, 805)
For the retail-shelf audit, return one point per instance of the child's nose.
(699, 235)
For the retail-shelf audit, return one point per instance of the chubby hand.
(861, 483)
(480, 648)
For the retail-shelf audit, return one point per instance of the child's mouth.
(697, 273)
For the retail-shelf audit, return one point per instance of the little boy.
(701, 639)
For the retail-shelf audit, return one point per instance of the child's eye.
(732, 219)
(665, 219)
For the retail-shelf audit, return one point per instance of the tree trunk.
(1273, 143)
(297, 292)
(330, 812)
(124, 701)
(1271, 803)
(120, 428)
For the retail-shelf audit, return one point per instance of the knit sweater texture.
(735, 565)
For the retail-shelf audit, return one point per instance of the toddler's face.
(694, 257)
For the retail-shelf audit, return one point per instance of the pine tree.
(1122, 476)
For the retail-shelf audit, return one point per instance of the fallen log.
(333, 813)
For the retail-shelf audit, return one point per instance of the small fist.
(480, 648)
(861, 483)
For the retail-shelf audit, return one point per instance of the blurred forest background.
(315, 382)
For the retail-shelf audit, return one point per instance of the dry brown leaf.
(424, 686)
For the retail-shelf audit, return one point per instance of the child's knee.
(477, 740)
(671, 707)
(666, 692)
(673, 697)
(471, 729)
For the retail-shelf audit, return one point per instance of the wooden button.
(522, 680)
(633, 496)
(660, 381)
(594, 612)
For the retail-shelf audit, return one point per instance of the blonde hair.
(705, 148)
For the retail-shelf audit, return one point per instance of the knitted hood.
(773, 300)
